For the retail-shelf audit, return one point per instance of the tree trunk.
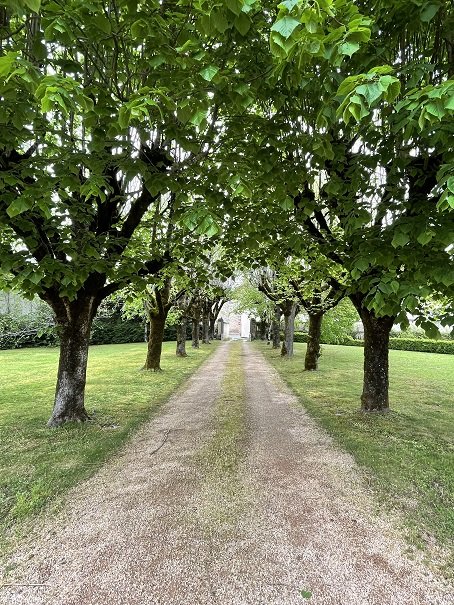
(195, 332)
(206, 330)
(212, 326)
(313, 342)
(263, 329)
(157, 325)
(181, 338)
(253, 329)
(276, 327)
(74, 324)
(375, 397)
(289, 330)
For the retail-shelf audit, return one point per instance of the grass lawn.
(408, 454)
(38, 464)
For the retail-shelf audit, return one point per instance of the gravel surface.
(146, 530)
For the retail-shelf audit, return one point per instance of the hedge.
(424, 345)
(106, 330)
(114, 330)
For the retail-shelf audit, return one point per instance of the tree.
(183, 306)
(315, 282)
(159, 300)
(278, 289)
(98, 124)
(357, 160)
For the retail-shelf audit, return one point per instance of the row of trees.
(137, 136)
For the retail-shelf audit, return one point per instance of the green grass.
(223, 453)
(37, 465)
(408, 455)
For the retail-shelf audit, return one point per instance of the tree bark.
(375, 395)
(74, 320)
(313, 342)
(195, 332)
(212, 321)
(206, 330)
(253, 329)
(276, 327)
(155, 338)
(289, 329)
(263, 326)
(158, 307)
(181, 338)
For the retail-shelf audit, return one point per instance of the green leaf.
(385, 287)
(102, 23)
(348, 48)
(430, 329)
(242, 24)
(124, 116)
(394, 286)
(429, 11)
(19, 205)
(198, 117)
(435, 109)
(425, 237)
(287, 204)
(288, 4)
(306, 594)
(371, 92)
(34, 5)
(220, 22)
(399, 239)
(450, 103)
(285, 26)
(6, 64)
(280, 47)
(362, 264)
(209, 72)
(347, 85)
(138, 29)
(184, 113)
(355, 110)
(312, 27)
(234, 5)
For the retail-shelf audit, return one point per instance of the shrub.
(19, 329)
(402, 344)
(338, 323)
(299, 337)
(413, 344)
(423, 345)
(115, 330)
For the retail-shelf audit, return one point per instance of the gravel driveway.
(303, 527)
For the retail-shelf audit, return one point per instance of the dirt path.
(147, 529)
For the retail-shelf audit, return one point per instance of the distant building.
(231, 325)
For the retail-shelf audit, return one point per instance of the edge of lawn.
(35, 507)
(437, 553)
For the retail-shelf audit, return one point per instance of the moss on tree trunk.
(313, 341)
(375, 395)
(156, 336)
(276, 327)
(289, 329)
(181, 338)
(74, 321)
